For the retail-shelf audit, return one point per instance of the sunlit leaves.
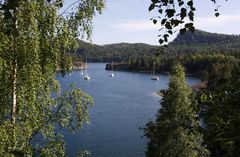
(38, 38)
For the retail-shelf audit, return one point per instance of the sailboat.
(86, 76)
(112, 74)
(154, 77)
(81, 72)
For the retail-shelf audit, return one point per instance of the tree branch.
(68, 7)
(44, 123)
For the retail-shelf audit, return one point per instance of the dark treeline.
(199, 42)
(203, 65)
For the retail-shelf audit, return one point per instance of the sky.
(129, 21)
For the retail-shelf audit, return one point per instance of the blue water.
(122, 104)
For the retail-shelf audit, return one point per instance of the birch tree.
(36, 37)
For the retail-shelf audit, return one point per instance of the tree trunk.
(14, 71)
(14, 94)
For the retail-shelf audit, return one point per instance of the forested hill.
(199, 42)
(114, 52)
(205, 38)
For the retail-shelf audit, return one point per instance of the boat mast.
(153, 72)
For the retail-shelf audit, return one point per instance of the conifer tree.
(175, 133)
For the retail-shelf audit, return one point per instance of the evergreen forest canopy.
(201, 53)
(199, 42)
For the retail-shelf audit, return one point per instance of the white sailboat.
(81, 72)
(86, 76)
(154, 77)
(112, 74)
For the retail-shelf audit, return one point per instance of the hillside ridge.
(200, 42)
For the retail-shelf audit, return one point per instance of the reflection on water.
(123, 103)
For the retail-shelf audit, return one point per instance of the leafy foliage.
(35, 40)
(221, 117)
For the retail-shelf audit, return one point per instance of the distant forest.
(201, 53)
(199, 42)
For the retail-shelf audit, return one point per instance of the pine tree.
(175, 133)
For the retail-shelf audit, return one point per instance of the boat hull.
(155, 78)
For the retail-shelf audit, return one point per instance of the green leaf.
(168, 25)
(191, 15)
(170, 32)
(154, 21)
(151, 7)
(190, 3)
(180, 3)
(161, 41)
(163, 21)
(170, 12)
(166, 37)
(160, 11)
(193, 9)
(183, 13)
(176, 22)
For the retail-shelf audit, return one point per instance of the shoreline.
(124, 67)
(196, 74)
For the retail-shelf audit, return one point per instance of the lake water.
(122, 104)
